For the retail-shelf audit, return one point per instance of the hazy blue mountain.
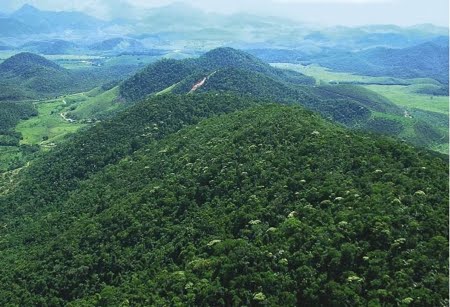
(47, 21)
(10, 27)
(353, 38)
(4, 46)
(275, 55)
(56, 46)
(178, 23)
(442, 41)
(118, 44)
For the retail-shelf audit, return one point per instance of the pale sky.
(326, 12)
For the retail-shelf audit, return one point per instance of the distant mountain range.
(180, 24)
(429, 59)
(47, 21)
(426, 60)
(49, 47)
(118, 44)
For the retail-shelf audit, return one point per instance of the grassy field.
(325, 75)
(93, 104)
(167, 90)
(49, 126)
(406, 96)
(433, 110)
(67, 114)
(56, 119)
(403, 95)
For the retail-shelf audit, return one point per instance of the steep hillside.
(113, 139)
(232, 58)
(367, 98)
(158, 76)
(350, 105)
(341, 109)
(155, 78)
(12, 155)
(271, 205)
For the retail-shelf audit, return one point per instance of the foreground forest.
(176, 156)
(211, 199)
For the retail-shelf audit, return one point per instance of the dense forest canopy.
(161, 75)
(172, 203)
(186, 155)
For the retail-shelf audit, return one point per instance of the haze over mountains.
(182, 24)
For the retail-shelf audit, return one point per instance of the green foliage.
(232, 58)
(154, 78)
(29, 76)
(426, 133)
(427, 60)
(12, 112)
(434, 90)
(351, 105)
(365, 97)
(11, 154)
(270, 205)
(108, 142)
(394, 109)
(342, 108)
(162, 74)
(95, 105)
(385, 126)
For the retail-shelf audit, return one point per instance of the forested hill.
(350, 105)
(427, 60)
(230, 70)
(181, 201)
(31, 76)
(27, 64)
(161, 75)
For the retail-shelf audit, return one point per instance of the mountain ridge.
(259, 204)
(143, 83)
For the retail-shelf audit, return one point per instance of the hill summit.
(165, 73)
(25, 64)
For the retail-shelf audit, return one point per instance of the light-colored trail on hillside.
(64, 116)
(201, 82)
